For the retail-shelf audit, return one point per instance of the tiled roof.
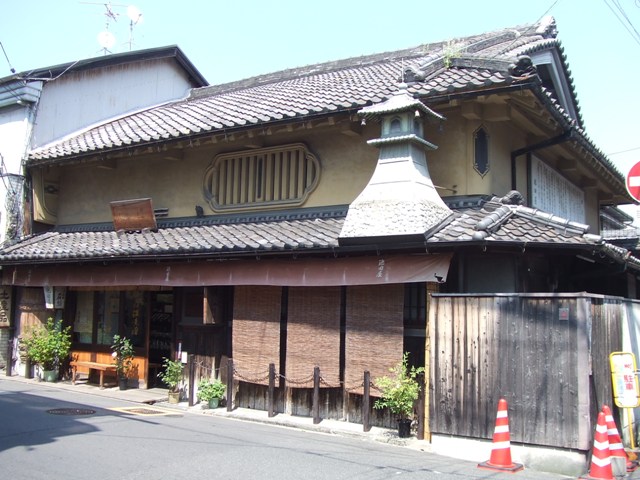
(215, 239)
(504, 220)
(479, 221)
(486, 62)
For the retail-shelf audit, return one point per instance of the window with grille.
(284, 175)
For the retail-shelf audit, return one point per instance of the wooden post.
(192, 375)
(316, 395)
(271, 391)
(229, 384)
(431, 309)
(421, 398)
(366, 402)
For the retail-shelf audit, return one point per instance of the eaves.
(131, 149)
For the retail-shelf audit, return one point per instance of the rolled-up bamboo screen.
(256, 332)
(313, 336)
(374, 332)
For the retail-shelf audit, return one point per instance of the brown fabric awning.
(371, 270)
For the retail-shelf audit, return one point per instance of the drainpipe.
(563, 137)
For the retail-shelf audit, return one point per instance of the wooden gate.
(547, 354)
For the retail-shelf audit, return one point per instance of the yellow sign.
(626, 392)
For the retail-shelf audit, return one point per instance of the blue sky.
(231, 40)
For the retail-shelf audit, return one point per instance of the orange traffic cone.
(616, 449)
(500, 459)
(600, 460)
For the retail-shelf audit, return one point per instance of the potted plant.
(210, 391)
(399, 393)
(171, 376)
(48, 346)
(123, 355)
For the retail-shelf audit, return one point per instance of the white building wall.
(14, 137)
(77, 100)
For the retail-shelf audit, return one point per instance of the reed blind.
(313, 336)
(256, 332)
(373, 333)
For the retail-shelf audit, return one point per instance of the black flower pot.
(404, 428)
(123, 383)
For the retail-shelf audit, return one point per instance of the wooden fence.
(546, 354)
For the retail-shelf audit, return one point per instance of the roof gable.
(172, 51)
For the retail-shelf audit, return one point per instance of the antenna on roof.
(106, 39)
(13, 70)
(135, 17)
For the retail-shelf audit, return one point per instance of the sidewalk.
(159, 398)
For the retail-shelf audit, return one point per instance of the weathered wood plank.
(531, 349)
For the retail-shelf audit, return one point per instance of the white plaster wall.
(77, 100)
(14, 136)
(14, 131)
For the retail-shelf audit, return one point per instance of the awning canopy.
(366, 270)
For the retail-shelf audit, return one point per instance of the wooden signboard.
(5, 306)
(133, 215)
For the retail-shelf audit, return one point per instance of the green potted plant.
(171, 376)
(123, 356)
(399, 392)
(48, 346)
(210, 391)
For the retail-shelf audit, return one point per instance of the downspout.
(563, 137)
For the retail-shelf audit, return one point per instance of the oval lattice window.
(251, 179)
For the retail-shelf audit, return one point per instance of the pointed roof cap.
(400, 101)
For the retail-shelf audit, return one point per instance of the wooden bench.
(101, 367)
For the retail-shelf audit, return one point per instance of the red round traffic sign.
(633, 181)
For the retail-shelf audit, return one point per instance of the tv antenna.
(135, 18)
(106, 39)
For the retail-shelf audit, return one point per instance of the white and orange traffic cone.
(600, 459)
(500, 459)
(616, 448)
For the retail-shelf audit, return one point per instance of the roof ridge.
(545, 218)
(311, 69)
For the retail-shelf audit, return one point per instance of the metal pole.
(272, 390)
(631, 439)
(229, 384)
(192, 376)
(421, 406)
(316, 395)
(366, 400)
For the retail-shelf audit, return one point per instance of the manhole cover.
(71, 411)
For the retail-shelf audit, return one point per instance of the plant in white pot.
(399, 392)
(211, 391)
(48, 346)
(172, 376)
(123, 356)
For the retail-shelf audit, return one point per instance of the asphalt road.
(46, 432)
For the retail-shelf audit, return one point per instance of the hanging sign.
(626, 392)
(48, 297)
(60, 294)
(5, 305)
